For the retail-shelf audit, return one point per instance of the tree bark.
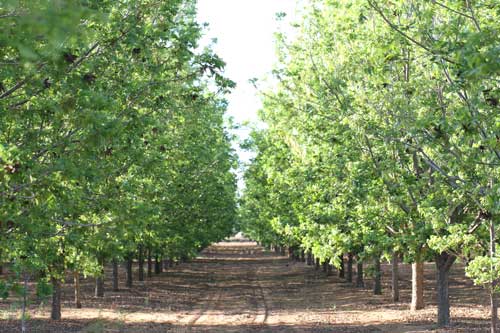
(377, 277)
(150, 264)
(115, 275)
(141, 262)
(99, 286)
(157, 265)
(360, 282)
(349, 267)
(317, 264)
(417, 284)
(55, 313)
(494, 283)
(76, 279)
(129, 264)
(302, 256)
(328, 269)
(99, 281)
(341, 268)
(395, 277)
(25, 303)
(309, 259)
(444, 261)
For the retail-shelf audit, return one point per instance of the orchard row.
(113, 143)
(382, 140)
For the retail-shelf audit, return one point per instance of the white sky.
(245, 40)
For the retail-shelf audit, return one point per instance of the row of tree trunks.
(443, 261)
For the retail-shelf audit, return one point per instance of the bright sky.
(245, 40)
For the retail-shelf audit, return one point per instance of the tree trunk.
(377, 277)
(150, 264)
(99, 285)
(115, 275)
(349, 267)
(141, 263)
(99, 281)
(25, 304)
(157, 265)
(395, 277)
(161, 263)
(341, 268)
(76, 279)
(328, 269)
(170, 262)
(444, 261)
(417, 284)
(316, 266)
(129, 264)
(360, 282)
(55, 313)
(494, 283)
(309, 259)
(302, 256)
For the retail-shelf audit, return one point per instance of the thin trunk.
(317, 264)
(170, 262)
(25, 303)
(444, 261)
(395, 277)
(349, 267)
(161, 263)
(76, 284)
(302, 256)
(55, 313)
(417, 284)
(341, 268)
(360, 282)
(150, 264)
(329, 269)
(99, 281)
(157, 265)
(494, 283)
(141, 263)
(129, 264)
(324, 266)
(309, 259)
(377, 277)
(115, 275)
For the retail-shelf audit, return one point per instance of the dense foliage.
(113, 142)
(383, 138)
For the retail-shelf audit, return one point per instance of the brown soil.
(238, 287)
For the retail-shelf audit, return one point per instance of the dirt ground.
(239, 287)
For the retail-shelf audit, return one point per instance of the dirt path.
(238, 287)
